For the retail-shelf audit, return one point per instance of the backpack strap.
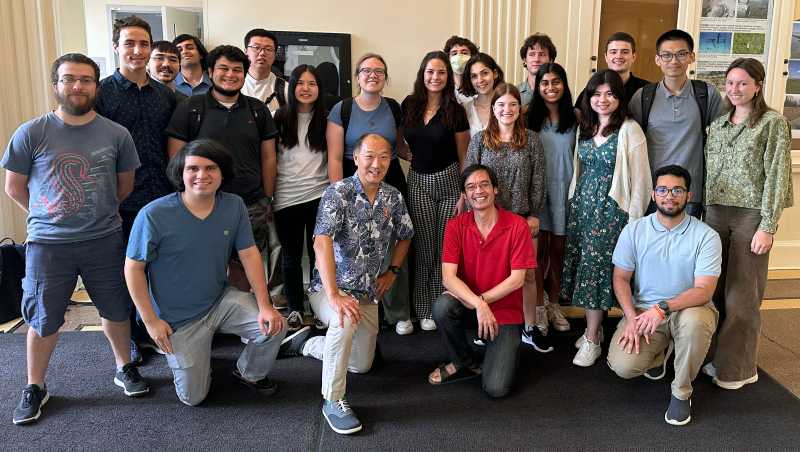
(701, 96)
(648, 92)
(344, 114)
(397, 112)
(259, 111)
(280, 87)
(197, 106)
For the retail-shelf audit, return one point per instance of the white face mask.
(457, 62)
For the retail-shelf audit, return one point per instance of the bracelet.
(660, 312)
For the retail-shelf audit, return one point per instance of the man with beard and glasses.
(69, 169)
(165, 65)
(135, 101)
(243, 125)
(674, 261)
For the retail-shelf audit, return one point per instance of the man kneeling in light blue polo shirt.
(674, 260)
(184, 241)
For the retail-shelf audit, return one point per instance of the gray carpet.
(554, 405)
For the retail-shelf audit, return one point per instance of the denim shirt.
(360, 233)
(145, 113)
(185, 87)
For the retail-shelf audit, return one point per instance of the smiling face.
(506, 109)
(306, 90)
(201, 177)
(674, 67)
(482, 78)
(79, 98)
(479, 191)
(435, 76)
(551, 88)
(535, 58)
(373, 160)
(190, 55)
(670, 205)
(372, 83)
(740, 88)
(227, 76)
(164, 67)
(133, 49)
(265, 56)
(619, 56)
(603, 101)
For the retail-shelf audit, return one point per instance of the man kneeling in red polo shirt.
(486, 253)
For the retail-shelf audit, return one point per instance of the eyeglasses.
(71, 81)
(259, 49)
(667, 57)
(369, 71)
(162, 58)
(676, 192)
(486, 185)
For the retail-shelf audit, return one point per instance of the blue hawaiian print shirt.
(145, 113)
(360, 233)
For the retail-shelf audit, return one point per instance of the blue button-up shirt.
(145, 113)
(360, 233)
(185, 87)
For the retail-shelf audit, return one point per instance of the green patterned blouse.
(751, 167)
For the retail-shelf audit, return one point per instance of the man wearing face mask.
(459, 50)
(164, 66)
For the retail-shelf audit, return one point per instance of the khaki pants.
(739, 292)
(690, 328)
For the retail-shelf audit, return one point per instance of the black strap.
(197, 106)
(700, 92)
(280, 86)
(648, 92)
(347, 109)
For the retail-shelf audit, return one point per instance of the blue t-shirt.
(379, 121)
(665, 262)
(73, 176)
(187, 258)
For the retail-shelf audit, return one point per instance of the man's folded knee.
(623, 370)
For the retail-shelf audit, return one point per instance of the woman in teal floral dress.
(610, 187)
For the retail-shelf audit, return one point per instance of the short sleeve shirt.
(485, 263)
(236, 129)
(360, 233)
(433, 145)
(187, 258)
(378, 121)
(73, 176)
(665, 261)
(145, 113)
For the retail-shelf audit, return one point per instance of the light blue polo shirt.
(665, 262)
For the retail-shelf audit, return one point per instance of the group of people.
(166, 185)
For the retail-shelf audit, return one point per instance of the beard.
(73, 108)
(671, 213)
(226, 92)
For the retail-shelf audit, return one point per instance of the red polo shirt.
(483, 264)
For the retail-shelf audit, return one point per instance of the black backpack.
(12, 270)
(280, 86)
(347, 109)
(197, 106)
(700, 96)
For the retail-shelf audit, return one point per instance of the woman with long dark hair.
(484, 76)
(301, 180)
(610, 186)
(552, 116)
(436, 129)
(516, 156)
(748, 184)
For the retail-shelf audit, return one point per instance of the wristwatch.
(664, 306)
(395, 269)
(270, 199)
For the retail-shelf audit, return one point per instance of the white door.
(178, 21)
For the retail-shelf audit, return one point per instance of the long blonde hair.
(519, 134)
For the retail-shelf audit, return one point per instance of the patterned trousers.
(431, 201)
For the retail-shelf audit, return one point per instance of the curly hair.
(543, 41)
(130, 21)
(459, 41)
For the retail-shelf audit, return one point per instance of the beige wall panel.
(70, 28)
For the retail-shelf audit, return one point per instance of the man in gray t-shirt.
(674, 129)
(674, 261)
(69, 170)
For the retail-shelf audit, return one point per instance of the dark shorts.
(52, 270)
(259, 214)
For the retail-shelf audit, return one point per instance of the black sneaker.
(263, 387)
(130, 381)
(30, 407)
(535, 337)
(136, 354)
(292, 344)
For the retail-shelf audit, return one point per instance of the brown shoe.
(278, 301)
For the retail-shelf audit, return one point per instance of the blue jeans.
(190, 361)
(502, 353)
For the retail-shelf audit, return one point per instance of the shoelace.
(341, 405)
(557, 313)
(586, 347)
(294, 317)
(131, 374)
(27, 398)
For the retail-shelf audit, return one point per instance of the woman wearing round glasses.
(484, 76)
(350, 119)
(748, 184)
(610, 186)
(437, 131)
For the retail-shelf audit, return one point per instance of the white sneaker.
(710, 370)
(588, 353)
(734, 384)
(404, 327)
(600, 337)
(427, 324)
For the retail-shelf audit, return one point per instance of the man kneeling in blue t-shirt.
(184, 241)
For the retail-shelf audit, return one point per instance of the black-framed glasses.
(259, 49)
(676, 192)
(667, 57)
(369, 71)
(71, 81)
(162, 58)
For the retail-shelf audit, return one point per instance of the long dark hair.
(466, 87)
(286, 116)
(538, 110)
(452, 112)
(206, 148)
(754, 69)
(519, 135)
(589, 118)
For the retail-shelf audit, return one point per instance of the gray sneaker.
(292, 345)
(130, 381)
(679, 411)
(341, 417)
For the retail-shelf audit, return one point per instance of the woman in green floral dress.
(610, 187)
